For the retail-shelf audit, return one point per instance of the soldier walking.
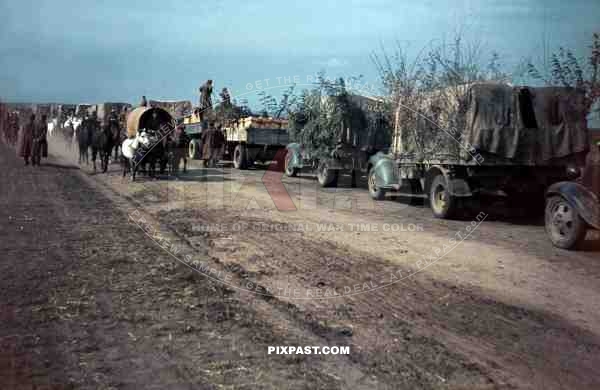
(40, 143)
(212, 142)
(26, 139)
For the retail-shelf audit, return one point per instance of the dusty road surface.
(168, 284)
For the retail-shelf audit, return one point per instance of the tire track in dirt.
(115, 312)
(476, 329)
(325, 372)
(503, 341)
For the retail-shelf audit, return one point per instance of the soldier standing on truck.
(225, 98)
(205, 98)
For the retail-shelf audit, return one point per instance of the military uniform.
(212, 142)
(40, 144)
(26, 140)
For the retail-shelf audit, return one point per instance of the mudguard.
(296, 161)
(457, 186)
(580, 198)
(385, 168)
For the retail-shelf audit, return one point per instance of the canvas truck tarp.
(526, 125)
(177, 108)
(427, 125)
(490, 118)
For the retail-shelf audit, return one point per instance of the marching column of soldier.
(27, 130)
(29, 139)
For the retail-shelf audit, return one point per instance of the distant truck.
(248, 140)
(490, 139)
(177, 108)
(103, 111)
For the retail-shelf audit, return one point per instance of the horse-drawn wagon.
(152, 120)
(149, 130)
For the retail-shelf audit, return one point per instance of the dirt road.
(100, 291)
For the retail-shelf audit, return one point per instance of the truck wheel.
(442, 204)
(193, 149)
(564, 226)
(240, 157)
(289, 170)
(375, 192)
(327, 177)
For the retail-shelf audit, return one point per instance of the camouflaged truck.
(487, 138)
(349, 155)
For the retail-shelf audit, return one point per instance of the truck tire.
(240, 157)
(564, 226)
(443, 205)
(193, 149)
(327, 177)
(375, 192)
(289, 170)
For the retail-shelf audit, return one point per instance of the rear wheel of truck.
(563, 224)
(290, 171)
(240, 157)
(327, 177)
(442, 203)
(376, 193)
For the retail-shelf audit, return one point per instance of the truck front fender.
(584, 201)
(295, 150)
(385, 170)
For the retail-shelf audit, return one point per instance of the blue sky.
(76, 51)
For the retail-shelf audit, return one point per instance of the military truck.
(484, 138)
(247, 140)
(351, 149)
(193, 126)
(573, 207)
(255, 139)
